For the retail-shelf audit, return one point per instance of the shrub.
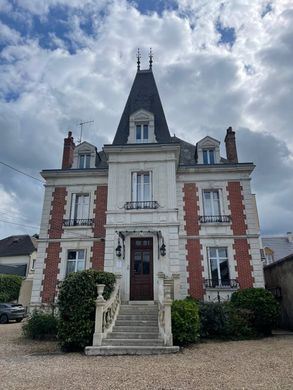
(76, 304)
(224, 321)
(9, 287)
(41, 326)
(185, 322)
(262, 304)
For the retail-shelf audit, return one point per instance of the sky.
(216, 63)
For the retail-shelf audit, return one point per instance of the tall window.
(219, 267)
(80, 206)
(141, 186)
(75, 261)
(211, 202)
(84, 161)
(208, 156)
(142, 133)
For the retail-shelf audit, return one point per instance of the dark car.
(11, 311)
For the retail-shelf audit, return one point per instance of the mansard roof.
(143, 95)
(17, 245)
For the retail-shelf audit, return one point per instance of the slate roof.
(143, 95)
(187, 152)
(279, 245)
(17, 245)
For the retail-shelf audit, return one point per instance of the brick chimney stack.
(68, 150)
(231, 149)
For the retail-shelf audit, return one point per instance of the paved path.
(257, 364)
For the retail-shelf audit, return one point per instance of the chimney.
(289, 237)
(68, 150)
(231, 149)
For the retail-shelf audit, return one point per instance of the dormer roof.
(143, 95)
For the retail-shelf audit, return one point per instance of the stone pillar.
(100, 302)
(168, 338)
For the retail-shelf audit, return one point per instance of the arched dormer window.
(141, 128)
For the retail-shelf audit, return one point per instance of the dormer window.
(84, 161)
(208, 156)
(142, 133)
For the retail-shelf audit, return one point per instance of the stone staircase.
(135, 332)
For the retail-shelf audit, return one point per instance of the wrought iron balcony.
(214, 218)
(141, 205)
(225, 283)
(77, 222)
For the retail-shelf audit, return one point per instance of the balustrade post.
(100, 302)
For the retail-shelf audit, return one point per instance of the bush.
(185, 322)
(262, 304)
(76, 304)
(9, 287)
(41, 326)
(224, 321)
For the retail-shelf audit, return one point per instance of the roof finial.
(138, 59)
(151, 58)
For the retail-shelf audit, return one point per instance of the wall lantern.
(118, 249)
(163, 249)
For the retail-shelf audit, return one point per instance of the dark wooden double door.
(141, 269)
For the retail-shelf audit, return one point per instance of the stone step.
(134, 335)
(137, 317)
(136, 328)
(138, 311)
(140, 323)
(129, 350)
(133, 342)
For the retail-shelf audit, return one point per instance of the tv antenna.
(81, 128)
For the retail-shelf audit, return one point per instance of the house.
(150, 207)
(278, 279)
(18, 257)
(277, 247)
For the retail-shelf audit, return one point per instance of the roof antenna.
(151, 58)
(138, 59)
(81, 128)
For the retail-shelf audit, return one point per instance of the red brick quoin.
(241, 245)
(54, 248)
(193, 246)
(98, 248)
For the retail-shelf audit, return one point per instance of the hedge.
(41, 326)
(185, 322)
(9, 287)
(76, 302)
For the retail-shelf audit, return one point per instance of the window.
(75, 261)
(80, 206)
(208, 156)
(211, 202)
(218, 265)
(141, 186)
(84, 161)
(142, 133)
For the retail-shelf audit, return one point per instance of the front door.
(141, 269)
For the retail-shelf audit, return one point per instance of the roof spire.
(138, 59)
(151, 59)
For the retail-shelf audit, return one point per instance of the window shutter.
(134, 186)
(73, 201)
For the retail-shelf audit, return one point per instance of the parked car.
(11, 311)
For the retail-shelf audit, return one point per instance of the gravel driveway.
(261, 364)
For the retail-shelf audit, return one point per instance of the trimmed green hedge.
(41, 326)
(185, 322)
(262, 304)
(76, 302)
(9, 287)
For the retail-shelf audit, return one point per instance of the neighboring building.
(148, 205)
(278, 279)
(18, 255)
(277, 247)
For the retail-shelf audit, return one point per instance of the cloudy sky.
(216, 63)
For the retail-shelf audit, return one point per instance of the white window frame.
(74, 206)
(217, 258)
(134, 186)
(208, 150)
(86, 159)
(142, 140)
(212, 202)
(76, 260)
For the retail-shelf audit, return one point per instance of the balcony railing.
(141, 205)
(78, 222)
(226, 283)
(214, 218)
